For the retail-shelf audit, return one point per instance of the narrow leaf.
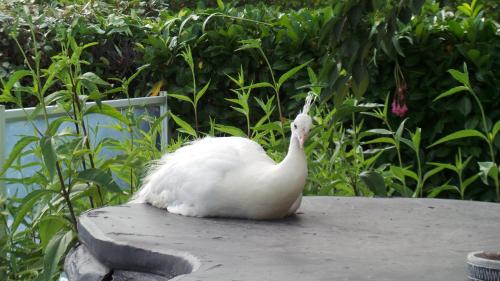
(445, 187)
(233, 131)
(16, 151)
(184, 125)
(292, 72)
(432, 172)
(49, 155)
(459, 135)
(451, 92)
(487, 169)
(27, 205)
(181, 97)
(93, 78)
(415, 138)
(107, 110)
(16, 76)
(54, 254)
(381, 140)
(459, 76)
(257, 85)
(401, 173)
(99, 177)
(495, 130)
(375, 182)
(201, 93)
(399, 131)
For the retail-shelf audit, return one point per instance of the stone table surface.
(330, 238)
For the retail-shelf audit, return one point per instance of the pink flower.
(399, 107)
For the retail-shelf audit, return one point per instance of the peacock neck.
(294, 166)
(295, 153)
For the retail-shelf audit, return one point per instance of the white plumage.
(230, 177)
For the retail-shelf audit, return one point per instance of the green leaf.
(233, 131)
(53, 70)
(220, 4)
(258, 85)
(445, 187)
(249, 44)
(16, 76)
(360, 88)
(56, 96)
(379, 131)
(93, 78)
(49, 225)
(185, 127)
(495, 130)
(451, 92)
(201, 93)
(291, 72)
(55, 124)
(240, 110)
(54, 254)
(470, 180)
(381, 140)
(49, 155)
(487, 169)
(181, 97)
(27, 205)
(375, 182)
(133, 76)
(402, 190)
(415, 138)
(101, 178)
(459, 135)
(16, 151)
(399, 131)
(408, 143)
(460, 76)
(107, 110)
(432, 172)
(400, 173)
(444, 166)
(395, 43)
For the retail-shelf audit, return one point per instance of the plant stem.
(80, 119)
(420, 183)
(354, 179)
(195, 104)
(490, 145)
(131, 129)
(276, 90)
(65, 194)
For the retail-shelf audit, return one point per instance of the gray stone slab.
(330, 239)
(82, 266)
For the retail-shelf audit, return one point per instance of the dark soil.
(490, 255)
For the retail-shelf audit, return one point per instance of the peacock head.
(302, 123)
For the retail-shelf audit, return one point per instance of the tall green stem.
(77, 110)
(65, 193)
(490, 142)
(194, 99)
(276, 90)
(420, 183)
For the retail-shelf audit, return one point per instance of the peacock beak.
(302, 138)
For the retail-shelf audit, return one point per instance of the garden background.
(406, 99)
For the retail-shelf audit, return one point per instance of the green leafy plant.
(488, 169)
(276, 85)
(70, 175)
